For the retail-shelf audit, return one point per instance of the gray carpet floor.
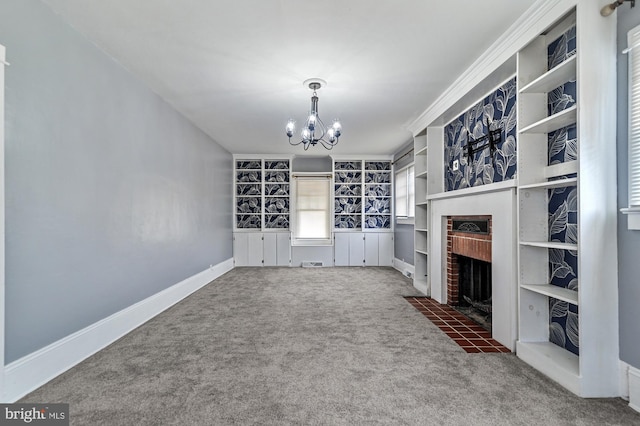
(325, 346)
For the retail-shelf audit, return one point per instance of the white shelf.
(552, 360)
(560, 183)
(422, 203)
(549, 244)
(421, 151)
(553, 78)
(421, 230)
(422, 174)
(553, 122)
(422, 252)
(554, 291)
(561, 169)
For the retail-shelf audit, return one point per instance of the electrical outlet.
(456, 165)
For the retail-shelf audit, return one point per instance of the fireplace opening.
(474, 290)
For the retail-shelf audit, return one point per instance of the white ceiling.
(235, 68)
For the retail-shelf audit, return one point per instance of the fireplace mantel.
(499, 202)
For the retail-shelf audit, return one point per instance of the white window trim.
(309, 242)
(633, 211)
(403, 220)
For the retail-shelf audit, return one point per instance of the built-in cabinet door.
(371, 249)
(270, 247)
(341, 249)
(356, 249)
(283, 249)
(385, 249)
(241, 249)
(255, 249)
(261, 249)
(247, 248)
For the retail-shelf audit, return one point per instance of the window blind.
(401, 194)
(633, 39)
(312, 210)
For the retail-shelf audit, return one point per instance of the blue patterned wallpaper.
(563, 204)
(349, 177)
(499, 109)
(249, 192)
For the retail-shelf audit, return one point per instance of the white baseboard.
(634, 388)
(403, 267)
(32, 371)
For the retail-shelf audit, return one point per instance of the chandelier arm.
(295, 143)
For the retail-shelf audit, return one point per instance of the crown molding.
(532, 23)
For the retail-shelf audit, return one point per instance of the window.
(311, 224)
(405, 195)
(633, 211)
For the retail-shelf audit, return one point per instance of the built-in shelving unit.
(377, 195)
(261, 211)
(566, 314)
(261, 194)
(362, 195)
(248, 194)
(421, 223)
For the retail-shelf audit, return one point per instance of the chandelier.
(314, 130)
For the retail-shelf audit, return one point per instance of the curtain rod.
(402, 156)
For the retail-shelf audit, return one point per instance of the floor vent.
(310, 264)
(408, 274)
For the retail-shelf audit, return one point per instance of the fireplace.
(496, 202)
(469, 281)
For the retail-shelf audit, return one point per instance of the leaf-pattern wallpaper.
(282, 176)
(563, 205)
(248, 221)
(276, 189)
(379, 177)
(377, 165)
(377, 221)
(377, 190)
(349, 205)
(276, 221)
(348, 178)
(248, 164)
(250, 189)
(347, 165)
(347, 221)
(348, 190)
(276, 164)
(248, 205)
(377, 205)
(499, 109)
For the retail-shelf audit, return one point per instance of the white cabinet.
(348, 249)
(261, 249)
(371, 249)
(356, 249)
(248, 248)
(363, 249)
(378, 249)
(277, 249)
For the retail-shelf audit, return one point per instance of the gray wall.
(111, 196)
(403, 234)
(312, 164)
(628, 241)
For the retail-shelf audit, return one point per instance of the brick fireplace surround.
(472, 245)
